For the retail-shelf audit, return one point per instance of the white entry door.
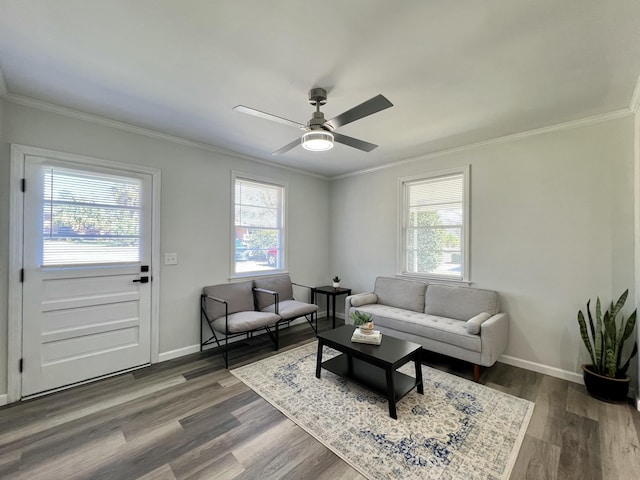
(86, 291)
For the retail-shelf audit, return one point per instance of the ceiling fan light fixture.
(317, 141)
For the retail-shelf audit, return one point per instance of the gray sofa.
(460, 322)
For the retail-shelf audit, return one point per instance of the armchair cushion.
(239, 298)
(245, 321)
(290, 309)
(280, 284)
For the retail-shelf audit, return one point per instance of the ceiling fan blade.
(371, 106)
(288, 147)
(354, 142)
(268, 116)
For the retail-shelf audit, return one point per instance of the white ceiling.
(457, 72)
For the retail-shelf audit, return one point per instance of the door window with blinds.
(435, 225)
(258, 225)
(90, 218)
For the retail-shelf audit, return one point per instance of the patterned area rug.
(456, 430)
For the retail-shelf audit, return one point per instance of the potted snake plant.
(606, 377)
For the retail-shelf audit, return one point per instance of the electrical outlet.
(170, 258)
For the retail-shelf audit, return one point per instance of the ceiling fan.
(320, 133)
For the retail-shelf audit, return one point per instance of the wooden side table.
(329, 291)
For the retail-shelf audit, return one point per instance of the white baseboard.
(3, 399)
(540, 368)
(179, 352)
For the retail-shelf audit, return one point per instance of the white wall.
(195, 216)
(551, 226)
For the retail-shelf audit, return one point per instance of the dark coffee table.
(357, 359)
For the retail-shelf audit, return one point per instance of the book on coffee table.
(375, 338)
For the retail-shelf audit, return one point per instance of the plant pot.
(366, 328)
(336, 284)
(604, 388)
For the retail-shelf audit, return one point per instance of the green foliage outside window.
(425, 245)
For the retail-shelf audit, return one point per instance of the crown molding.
(127, 127)
(634, 106)
(505, 139)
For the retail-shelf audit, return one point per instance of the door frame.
(16, 235)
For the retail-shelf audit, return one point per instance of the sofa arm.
(494, 337)
(357, 300)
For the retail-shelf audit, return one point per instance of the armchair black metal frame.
(214, 338)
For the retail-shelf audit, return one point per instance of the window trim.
(465, 170)
(236, 175)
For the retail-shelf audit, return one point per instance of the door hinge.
(23, 184)
(22, 275)
(21, 364)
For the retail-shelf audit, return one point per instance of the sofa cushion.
(473, 324)
(245, 321)
(364, 299)
(280, 284)
(446, 330)
(401, 293)
(460, 303)
(239, 298)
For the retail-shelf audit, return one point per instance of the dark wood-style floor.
(191, 419)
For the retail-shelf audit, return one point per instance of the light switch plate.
(170, 258)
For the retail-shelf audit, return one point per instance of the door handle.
(142, 280)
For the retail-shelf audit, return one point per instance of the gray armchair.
(275, 295)
(235, 309)
(230, 309)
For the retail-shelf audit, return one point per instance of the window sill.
(258, 274)
(433, 279)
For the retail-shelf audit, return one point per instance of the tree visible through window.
(434, 225)
(258, 226)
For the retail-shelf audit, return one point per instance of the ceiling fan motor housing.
(317, 96)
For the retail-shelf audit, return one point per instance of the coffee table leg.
(391, 394)
(319, 359)
(419, 384)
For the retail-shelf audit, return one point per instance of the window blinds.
(434, 223)
(89, 218)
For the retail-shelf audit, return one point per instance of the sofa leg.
(476, 372)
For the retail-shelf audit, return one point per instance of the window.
(89, 218)
(258, 225)
(434, 225)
